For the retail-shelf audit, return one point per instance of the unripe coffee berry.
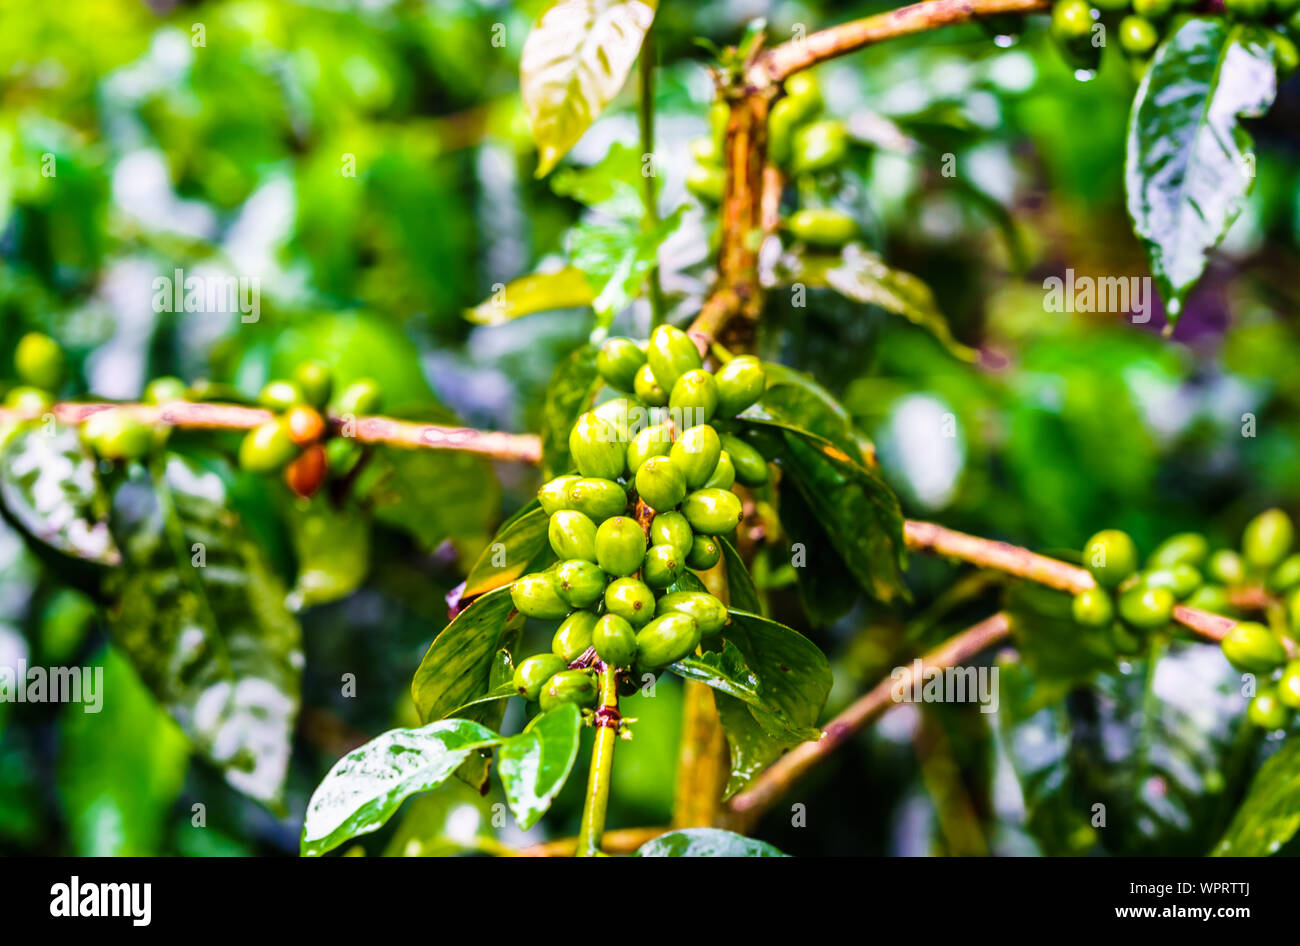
(1111, 556)
(535, 672)
(596, 448)
(615, 640)
(660, 483)
(741, 382)
(618, 361)
(573, 637)
(619, 545)
(572, 535)
(631, 600)
(696, 454)
(671, 354)
(712, 511)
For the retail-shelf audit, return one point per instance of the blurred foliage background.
(370, 164)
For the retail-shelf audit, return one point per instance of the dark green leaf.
(1270, 814)
(752, 748)
(827, 589)
(572, 388)
(706, 842)
(740, 586)
(1189, 162)
(364, 788)
(793, 675)
(511, 552)
(203, 618)
(49, 487)
(574, 62)
(458, 667)
(727, 672)
(535, 764)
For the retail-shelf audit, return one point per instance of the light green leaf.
(333, 551)
(535, 764)
(1270, 814)
(364, 788)
(566, 288)
(1189, 162)
(574, 62)
(617, 256)
(706, 842)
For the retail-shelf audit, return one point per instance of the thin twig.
(617, 841)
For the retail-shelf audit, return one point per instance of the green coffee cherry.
(1137, 35)
(1071, 19)
(1267, 539)
(662, 566)
(596, 498)
(1212, 598)
(1183, 548)
(819, 145)
(706, 182)
(266, 447)
(535, 672)
(1267, 711)
(741, 382)
(116, 434)
(618, 362)
(1093, 608)
(1287, 574)
(573, 637)
(620, 545)
(696, 454)
(671, 354)
(631, 600)
(1111, 556)
(1154, 9)
(719, 115)
(707, 611)
(554, 495)
(654, 441)
(315, 381)
(1111, 6)
(615, 640)
(723, 475)
(648, 388)
(1226, 567)
(660, 483)
(802, 90)
(694, 398)
(822, 226)
(1146, 608)
(1181, 579)
(705, 150)
(569, 686)
(164, 390)
(712, 511)
(537, 596)
(362, 396)
(1253, 648)
(1288, 688)
(280, 395)
(704, 553)
(38, 359)
(28, 400)
(341, 455)
(751, 467)
(625, 414)
(666, 639)
(781, 122)
(579, 582)
(671, 529)
(572, 535)
(595, 447)
(1285, 53)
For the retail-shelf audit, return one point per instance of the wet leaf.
(706, 842)
(458, 667)
(535, 764)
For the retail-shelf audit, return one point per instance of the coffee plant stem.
(744, 809)
(649, 195)
(614, 841)
(602, 765)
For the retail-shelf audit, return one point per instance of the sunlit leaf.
(535, 764)
(565, 288)
(458, 666)
(706, 842)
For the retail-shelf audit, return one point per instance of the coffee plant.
(710, 517)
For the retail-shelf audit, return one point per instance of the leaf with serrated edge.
(574, 62)
(364, 788)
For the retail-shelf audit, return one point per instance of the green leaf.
(617, 256)
(517, 544)
(613, 184)
(574, 62)
(706, 842)
(827, 589)
(458, 667)
(202, 617)
(1189, 162)
(49, 488)
(849, 499)
(333, 551)
(535, 764)
(121, 766)
(863, 276)
(752, 748)
(566, 288)
(433, 495)
(1270, 814)
(740, 587)
(571, 391)
(727, 672)
(793, 675)
(364, 788)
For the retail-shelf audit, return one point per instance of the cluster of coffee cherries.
(297, 439)
(1141, 22)
(651, 496)
(1177, 571)
(801, 143)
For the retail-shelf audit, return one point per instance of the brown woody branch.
(526, 448)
